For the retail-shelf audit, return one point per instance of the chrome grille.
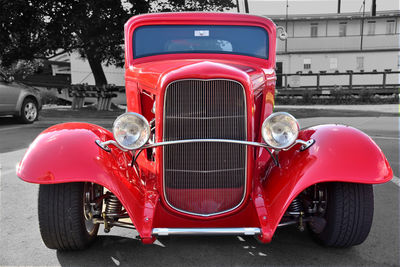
(204, 178)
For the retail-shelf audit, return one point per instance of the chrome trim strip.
(215, 140)
(282, 224)
(105, 145)
(206, 231)
(166, 143)
(287, 223)
(213, 171)
(305, 144)
(116, 223)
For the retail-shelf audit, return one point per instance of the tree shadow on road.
(289, 248)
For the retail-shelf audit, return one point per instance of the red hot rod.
(199, 150)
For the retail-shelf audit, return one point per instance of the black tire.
(349, 213)
(29, 111)
(61, 217)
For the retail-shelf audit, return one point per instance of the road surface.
(20, 242)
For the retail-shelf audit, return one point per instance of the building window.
(342, 28)
(390, 26)
(360, 63)
(371, 27)
(307, 63)
(333, 63)
(314, 30)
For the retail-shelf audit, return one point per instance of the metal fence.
(381, 78)
(318, 88)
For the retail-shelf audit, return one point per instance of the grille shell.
(205, 179)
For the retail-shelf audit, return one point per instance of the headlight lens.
(280, 130)
(131, 130)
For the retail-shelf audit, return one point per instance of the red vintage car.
(199, 150)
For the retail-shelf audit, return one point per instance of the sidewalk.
(385, 108)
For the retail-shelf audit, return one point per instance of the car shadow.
(289, 247)
(8, 120)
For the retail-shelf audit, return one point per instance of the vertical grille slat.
(204, 178)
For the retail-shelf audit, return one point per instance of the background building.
(81, 72)
(316, 43)
(339, 43)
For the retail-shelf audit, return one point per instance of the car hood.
(156, 74)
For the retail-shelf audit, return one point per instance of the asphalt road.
(20, 242)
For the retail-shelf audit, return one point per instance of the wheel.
(29, 111)
(348, 215)
(63, 220)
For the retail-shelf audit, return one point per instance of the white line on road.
(396, 181)
(385, 137)
(13, 128)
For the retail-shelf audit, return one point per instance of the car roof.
(196, 17)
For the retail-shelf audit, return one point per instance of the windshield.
(221, 39)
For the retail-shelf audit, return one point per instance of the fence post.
(286, 81)
(318, 76)
(350, 80)
(384, 80)
(74, 104)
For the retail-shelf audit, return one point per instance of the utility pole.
(338, 6)
(286, 24)
(373, 8)
(246, 6)
(362, 26)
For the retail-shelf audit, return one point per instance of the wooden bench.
(104, 94)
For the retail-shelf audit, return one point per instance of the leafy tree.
(20, 31)
(91, 27)
(38, 28)
(193, 5)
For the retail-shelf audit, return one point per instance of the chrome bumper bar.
(197, 231)
(105, 145)
(206, 231)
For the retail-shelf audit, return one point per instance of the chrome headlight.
(131, 130)
(280, 130)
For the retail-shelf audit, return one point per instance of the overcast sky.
(277, 7)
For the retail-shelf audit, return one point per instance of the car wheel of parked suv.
(29, 111)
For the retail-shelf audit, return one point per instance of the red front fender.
(67, 153)
(340, 153)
